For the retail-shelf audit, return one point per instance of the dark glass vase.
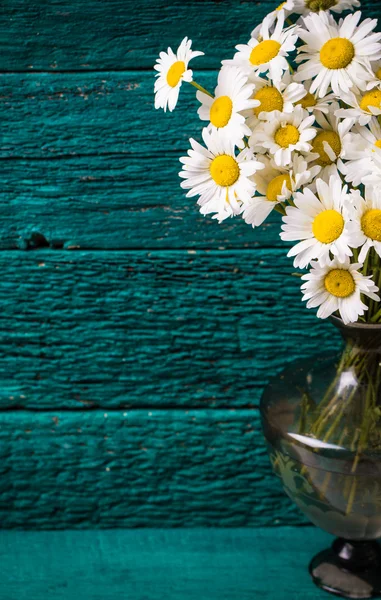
(322, 423)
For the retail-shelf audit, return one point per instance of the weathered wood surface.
(135, 469)
(151, 564)
(59, 114)
(124, 34)
(178, 328)
(112, 203)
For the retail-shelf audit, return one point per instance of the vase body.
(322, 423)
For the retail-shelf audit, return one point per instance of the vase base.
(349, 569)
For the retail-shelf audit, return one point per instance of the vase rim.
(363, 326)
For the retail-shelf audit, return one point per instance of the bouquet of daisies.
(293, 126)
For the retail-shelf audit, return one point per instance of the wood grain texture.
(207, 564)
(123, 34)
(136, 469)
(111, 203)
(61, 114)
(87, 329)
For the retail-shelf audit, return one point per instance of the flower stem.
(199, 87)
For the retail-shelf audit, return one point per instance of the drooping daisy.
(284, 134)
(270, 96)
(320, 222)
(365, 225)
(330, 143)
(275, 185)
(362, 144)
(268, 55)
(233, 95)
(172, 71)
(338, 286)
(221, 179)
(283, 10)
(303, 7)
(363, 106)
(312, 102)
(337, 55)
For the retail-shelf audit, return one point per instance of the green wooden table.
(152, 564)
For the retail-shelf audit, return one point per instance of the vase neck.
(360, 336)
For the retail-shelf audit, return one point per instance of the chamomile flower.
(365, 225)
(270, 96)
(283, 135)
(362, 144)
(283, 10)
(374, 178)
(275, 185)
(233, 96)
(337, 55)
(376, 72)
(268, 55)
(331, 141)
(320, 222)
(363, 106)
(312, 103)
(303, 7)
(338, 286)
(172, 71)
(221, 179)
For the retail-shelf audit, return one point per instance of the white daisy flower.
(365, 225)
(283, 10)
(361, 144)
(283, 135)
(374, 178)
(233, 95)
(338, 286)
(363, 106)
(337, 55)
(268, 55)
(221, 179)
(275, 185)
(330, 143)
(376, 79)
(270, 96)
(172, 71)
(304, 7)
(320, 222)
(312, 102)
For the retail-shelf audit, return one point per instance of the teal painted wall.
(136, 336)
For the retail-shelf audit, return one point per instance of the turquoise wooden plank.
(203, 564)
(151, 468)
(61, 114)
(119, 34)
(174, 328)
(115, 202)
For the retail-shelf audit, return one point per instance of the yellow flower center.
(337, 53)
(225, 170)
(317, 5)
(333, 140)
(371, 224)
(308, 101)
(372, 98)
(328, 226)
(221, 111)
(175, 73)
(287, 135)
(339, 283)
(378, 144)
(281, 6)
(264, 52)
(378, 73)
(274, 189)
(270, 99)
